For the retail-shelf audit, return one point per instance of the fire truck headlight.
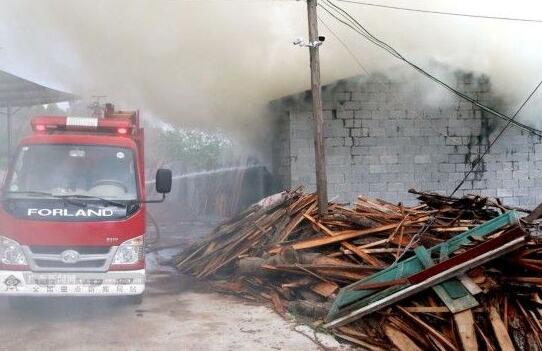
(11, 252)
(130, 252)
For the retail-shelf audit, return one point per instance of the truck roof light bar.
(121, 125)
(87, 122)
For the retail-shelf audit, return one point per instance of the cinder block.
(345, 114)
(396, 187)
(422, 159)
(388, 159)
(521, 192)
(334, 142)
(352, 105)
(363, 114)
(520, 175)
(377, 187)
(359, 96)
(377, 169)
(381, 115)
(360, 150)
(359, 132)
(364, 141)
(376, 132)
(336, 178)
(373, 159)
(456, 158)
(349, 123)
(398, 114)
(342, 96)
(504, 192)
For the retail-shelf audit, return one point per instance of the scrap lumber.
(500, 330)
(400, 340)
(465, 328)
(281, 251)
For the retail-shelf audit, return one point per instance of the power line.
(442, 12)
(344, 45)
(336, 12)
(477, 162)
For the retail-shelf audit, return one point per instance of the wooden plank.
(293, 224)
(277, 304)
(347, 235)
(359, 342)
(503, 338)
(465, 328)
(381, 285)
(535, 214)
(400, 340)
(441, 338)
(469, 284)
(363, 255)
(455, 304)
(485, 339)
(427, 309)
(325, 289)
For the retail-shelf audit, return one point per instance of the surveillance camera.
(298, 41)
(322, 38)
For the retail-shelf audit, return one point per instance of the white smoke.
(218, 63)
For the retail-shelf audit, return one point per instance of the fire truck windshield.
(81, 170)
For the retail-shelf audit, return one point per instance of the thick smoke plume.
(217, 63)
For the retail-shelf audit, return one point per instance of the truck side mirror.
(163, 181)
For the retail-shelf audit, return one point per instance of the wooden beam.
(536, 214)
(438, 336)
(503, 338)
(465, 328)
(400, 340)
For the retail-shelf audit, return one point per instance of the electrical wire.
(350, 52)
(344, 17)
(442, 12)
(477, 162)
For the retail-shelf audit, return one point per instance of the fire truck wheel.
(135, 300)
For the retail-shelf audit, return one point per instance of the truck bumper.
(27, 283)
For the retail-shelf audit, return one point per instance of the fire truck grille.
(83, 250)
(62, 265)
(69, 258)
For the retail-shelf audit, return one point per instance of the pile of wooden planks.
(447, 274)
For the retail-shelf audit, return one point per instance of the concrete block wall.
(384, 137)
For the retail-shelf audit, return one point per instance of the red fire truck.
(72, 212)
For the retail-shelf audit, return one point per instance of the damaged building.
(386, 136)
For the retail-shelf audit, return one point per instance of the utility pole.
(318, 118)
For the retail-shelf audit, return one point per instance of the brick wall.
(384, 137)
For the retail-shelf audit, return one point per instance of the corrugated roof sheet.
(16, 91)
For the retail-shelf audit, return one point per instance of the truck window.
(89, 170)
